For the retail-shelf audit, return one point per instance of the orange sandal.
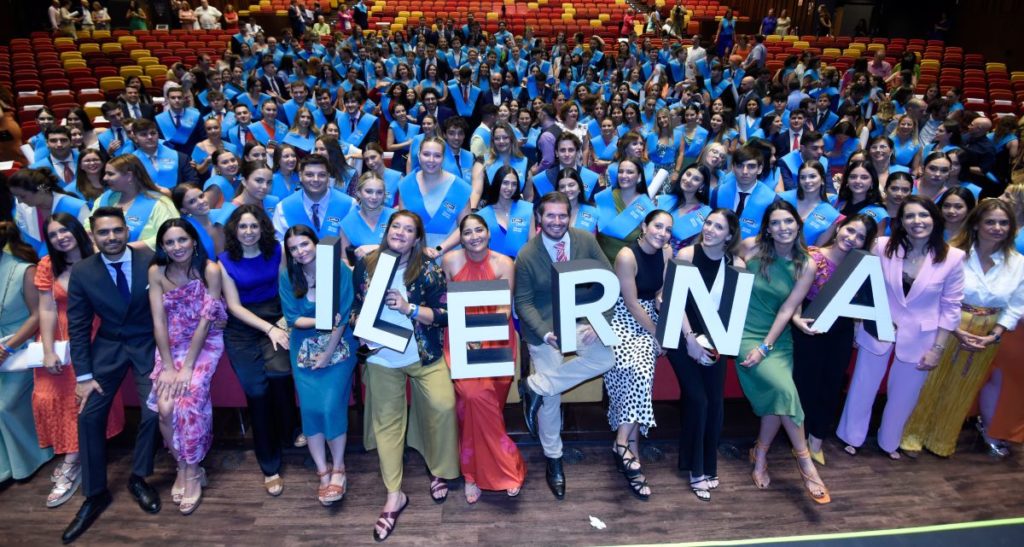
(809, 481)
(330, 493)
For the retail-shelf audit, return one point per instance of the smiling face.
(859, 183)
(227, 165)
(401, 235)
(658, 231)
(118, 181)
(474, 236)
(917, 221)
(257, 184)
(851, 236)
(629, 175)
(302, 249)
(715, 231)
(502, 140)
(691, 180)
(110, 235)
(371, 194)
(178, 245)
(810, 181)
(91, 162)
(880, 152)
(783, 227)
(509, 185)
(248, 232)
(315, 180)
(60, 237)
(431, 157)
(994, 227)
(257, 153)
(954, 209)
(570, 188)
(195, 203)
(554, 220)
(897, 191)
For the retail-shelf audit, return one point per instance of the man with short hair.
(567, 153)
(115, 141)
(240, 134)
(357, 127)
(812, 148)
(788, 139)
(111, 286)
(979, 158)
(457, 160)
(165, 165)
(134, 108)
(741, 192)
(480, 143)
(178, 123)
(463, 93)
(208, 16)
(318, 205)
(63, 159)
(552, 375)
(549, 132)
(300, 97)
(324, 111)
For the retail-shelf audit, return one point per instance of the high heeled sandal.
(824, 497)
(330, 493)
(703, 494)
(65, 487)
(189, 505)
(274, 485)
(623, 463)
(177, 493)
(761, 480)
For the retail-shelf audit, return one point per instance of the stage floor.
(869, 492)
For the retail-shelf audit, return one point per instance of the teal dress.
(324, 393)
(20, 454)
(769, 385)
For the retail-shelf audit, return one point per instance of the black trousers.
(702, 393)
(820, 363)
(92, 428)
(270, 397)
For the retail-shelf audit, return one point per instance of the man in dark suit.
(430, 57)
(134, 108)
(111, 285)
(551, 376)
(788, 140)
(273, 85)
(431, 98)
(494, 93)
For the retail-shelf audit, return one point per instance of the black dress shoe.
(531, 404)
(91, 509)
(146, 495)
(556, 477)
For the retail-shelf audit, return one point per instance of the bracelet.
(7, 349)
(765, 349)
(938, 346)
(272, 327)
(996, 338)
(414, 310)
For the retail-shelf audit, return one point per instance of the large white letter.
(328, 257)
(369, 325)
(572, 301)
(464, 329)
(683, 279)
(842, 296)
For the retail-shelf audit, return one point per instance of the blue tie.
(122, 281)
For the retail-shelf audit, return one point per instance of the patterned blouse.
(824, 268)
(429, 290)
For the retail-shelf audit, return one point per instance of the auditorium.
(766, 256)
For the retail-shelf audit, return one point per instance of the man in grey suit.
(111, 285)
(551, 376)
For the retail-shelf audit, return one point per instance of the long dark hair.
(59, 259)
(574, 174)
(34, 180)
(493, 191)
(268, 244)
(197, 265)
(415, 265)
(702, 192)
(10, 236)
(874, 195)
(870, 227)
(299, 286)
(901, 239)
(820, 169)
(766, 246)
(641, 185)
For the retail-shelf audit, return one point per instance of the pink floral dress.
(193, 413)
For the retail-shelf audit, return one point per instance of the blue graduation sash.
(619, 224)
(849, 147)
(716, 90)
(753, 209)
(165, 173)
(220, 216)
(255, 109)
(291, 107)
(228, 188)
(465, 162)
(517, 164)
(63, 204)
(685, 226)
(818, 221)
(402, 135)
(330, 224)
(306, 144)
(1019, 241)
(231, 91)
(283, 188)
(793, 161)
(204, 237)
(586, 218)
(677, 71)
(199, 155)
(136, 216)
(465, 109)
(107, 137)
(178, 135)
(363, 128)
(508, 242)
(830, 121)
(542, 183)
(443, 220)
(604, 151)
(359, 233)
(484, 133)
(391, 180)
(259, 132)
(904, 151)
(877, 128)
(694, 146)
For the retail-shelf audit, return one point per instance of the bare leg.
(812, 480)
(337, 445)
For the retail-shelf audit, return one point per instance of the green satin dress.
(769, 385)
(20, 454)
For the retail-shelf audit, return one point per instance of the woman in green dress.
(137, 19)
(20, 454)
(778, 258)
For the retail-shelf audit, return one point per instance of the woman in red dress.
(489, 458)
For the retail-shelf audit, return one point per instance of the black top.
(708, 269)
(649, 271)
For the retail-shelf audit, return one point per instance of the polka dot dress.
(631, 381)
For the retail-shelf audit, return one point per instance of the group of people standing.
(168, 243)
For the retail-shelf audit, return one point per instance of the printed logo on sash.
(819, 217)
(586, 216)
(517, 220)
(747, 221)
(132, 219)
(449, 208)
(333, 219)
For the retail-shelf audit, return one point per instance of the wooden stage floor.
(869, 492)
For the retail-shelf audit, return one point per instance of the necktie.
(796, 141)
(117, 134)
(316, 216)
(353, 120)
(743, 201)
(136, 113)
(177, 119)
(122, 281)
(560, 255)
(69, 175)
(273, 85)
(465, 93)
(458, 163)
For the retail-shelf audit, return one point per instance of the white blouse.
(1001, 287)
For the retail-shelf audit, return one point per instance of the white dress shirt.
(1001, 287)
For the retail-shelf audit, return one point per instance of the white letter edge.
(369, 325)
(479, 327)
(682, 279)
(839, 297)
(328, 254)
(567, 306)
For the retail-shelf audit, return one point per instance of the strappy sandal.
(713, 482)
(65, 487)
(703, 494)
(761, 480)
(637, 484)
(385, 525)
(189, 505)
(343, 487)
(61, 470)
(822, 498)
(623, 463)
(437, 484)
(327, 494)
(634, 476)
(274, 485)
(178, 493)
(473, 493)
